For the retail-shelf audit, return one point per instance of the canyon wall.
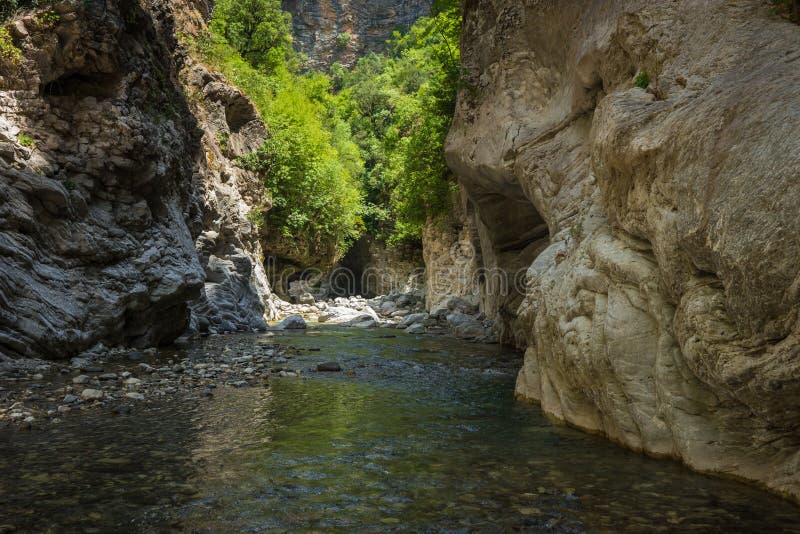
(655, 222)
(322, 27)
(120, 209)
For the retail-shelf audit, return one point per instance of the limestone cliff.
(322, 27)
(658, 224)
(120, 208)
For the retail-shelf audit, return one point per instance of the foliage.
(399, 106)
(222, 141)
(642, 80)
(8, 50)
(351, 151)
(309, 163)
(48, 19)
(258, 29)
(26, 141)
(257, 217)
(342, 40)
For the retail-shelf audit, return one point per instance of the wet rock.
(293, 322)
(417, 328)
(415, 318)
(134, 395)
(80, 379)
(329, 367)
(70, 399)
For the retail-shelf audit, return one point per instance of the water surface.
(419, 434)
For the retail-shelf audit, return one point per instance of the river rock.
(417, 328)
(293, 322)
(342, 315)
(329, 367)
(415, 318)
(92, 394)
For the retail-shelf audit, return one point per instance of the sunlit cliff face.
(342, 30)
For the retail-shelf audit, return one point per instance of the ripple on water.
(423, 435)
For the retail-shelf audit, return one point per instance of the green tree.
(258, 29)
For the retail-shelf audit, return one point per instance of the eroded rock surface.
(658, 225)
(108, 183)
(321, 27)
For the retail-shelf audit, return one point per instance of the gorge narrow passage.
(416, 432)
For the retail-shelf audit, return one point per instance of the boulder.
(293, 322)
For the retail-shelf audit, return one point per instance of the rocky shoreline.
(38, 393)
(458, 317)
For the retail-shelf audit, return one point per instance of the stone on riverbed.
(342, 315)
(415, 318)
(329, 367)
(293, 322)
(417, 328)
(92, 394)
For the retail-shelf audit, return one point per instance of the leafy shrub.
(308, 163)
(222, 141)
(400, 106)
(26, 141)
(48, 19)
(8, 50)
(342, 40)
(642, 80)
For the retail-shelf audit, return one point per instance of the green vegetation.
(48, 19)
(342, 40)
(222, 141)
(350, 151)
(642, 80)
(400, 106)
(26, 141)
(8, 50)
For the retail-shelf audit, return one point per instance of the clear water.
(423, 434)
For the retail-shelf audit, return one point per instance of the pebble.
(133, 382)
(70, 399)
(134, 396)
(92, 394)
(80, 379)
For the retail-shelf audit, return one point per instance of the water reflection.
(418, 435)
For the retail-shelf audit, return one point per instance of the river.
(417, 434)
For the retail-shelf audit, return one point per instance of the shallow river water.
(419, 434)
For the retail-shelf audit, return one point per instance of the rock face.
(658, 226)
(321, 27)
(452, 260)
(111, 175)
